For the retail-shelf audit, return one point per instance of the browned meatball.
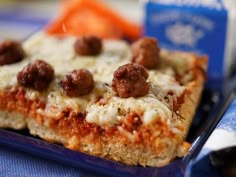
(11, 52)
(146, 52)
(88, 45)
(37, 75)
(130, 81)
(78, 83)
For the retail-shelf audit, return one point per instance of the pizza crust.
(117, 148)
(12, 120)
(44, 132)
(192, 99)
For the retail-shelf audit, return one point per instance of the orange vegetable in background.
(84, 17)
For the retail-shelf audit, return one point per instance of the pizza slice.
(131, 103)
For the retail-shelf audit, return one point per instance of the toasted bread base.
(116, 148)
(13, 120)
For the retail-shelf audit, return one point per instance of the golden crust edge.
(195, 88)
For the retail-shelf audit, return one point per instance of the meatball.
(37, 75)
(88, 45)
(146, 52)
(11, 52)
(78, 83)
(130, 81)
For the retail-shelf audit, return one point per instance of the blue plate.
(202, 126)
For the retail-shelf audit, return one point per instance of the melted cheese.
(8, 74)
(110, 109)
(148, 108)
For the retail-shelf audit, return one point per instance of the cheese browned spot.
(88, 45)
(146, 52)
(37, 74)
(11, 52)
(130, 81)
(78, 82)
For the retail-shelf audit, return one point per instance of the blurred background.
(20, 18)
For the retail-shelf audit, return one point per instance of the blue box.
(204, 27)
